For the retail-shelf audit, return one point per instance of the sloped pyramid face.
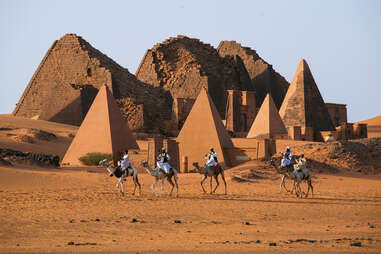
(268, 123)
(264, 79)
(202, 130)
(303, 105)
(103, 130)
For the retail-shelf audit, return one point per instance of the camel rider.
(212, 159)
(162, 163)
(287, 157)
(125, 161)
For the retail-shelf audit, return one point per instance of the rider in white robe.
(125, 162)
(287, 157)
(162, 162)
(212, 158)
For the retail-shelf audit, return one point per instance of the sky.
(340, 39)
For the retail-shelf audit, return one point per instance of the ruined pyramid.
(268, 123)
(303, 105)
(264, 79)
(67, 80)
(103, 130)
(202, 130)
(183, 66)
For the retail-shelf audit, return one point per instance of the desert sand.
(17, 133)
(81, 211)
(374, 126)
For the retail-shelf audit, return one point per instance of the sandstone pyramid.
(67, 80)
(267, 123)
(182, 66)
(264, 79)
(203, 130)
(303, 105)
(103, 130)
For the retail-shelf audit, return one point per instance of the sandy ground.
(12, 128)
(68, 211)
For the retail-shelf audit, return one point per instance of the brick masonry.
(68, 78)
(182, 66)
(264, 79)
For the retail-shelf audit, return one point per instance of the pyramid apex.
(303, 66)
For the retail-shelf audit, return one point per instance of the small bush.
(92, 159)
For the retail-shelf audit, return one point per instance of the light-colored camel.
(207, 171)
(121, 175)
(160, 176)
(297, 173)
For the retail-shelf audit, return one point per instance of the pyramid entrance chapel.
(186, 96)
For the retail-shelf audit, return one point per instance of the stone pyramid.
(303, 105)
(103, 130)
(202, 130)
(264, 79)
(267, 123)
(74, 71)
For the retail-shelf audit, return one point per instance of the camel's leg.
(171, 183)
(223, 179)
(154, 187)
(217, 183)
(298, 190)
(177, 186)
(140, 187)
(202, 182)
(135, 184)
(282, 184)
(162, 188)
(309, 187)
(293, 187)
(211, 180)
(121, 186)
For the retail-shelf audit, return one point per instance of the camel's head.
(104, 162)
(144, 163)
(195, 164)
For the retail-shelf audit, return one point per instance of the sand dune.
(374, 126)
(19, 134)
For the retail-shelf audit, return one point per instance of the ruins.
(264, 79)
(186, 97)
(304, 106)
(103, 130)
(73, 71)
(182, 66)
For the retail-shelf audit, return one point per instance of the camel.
(121, 175)
(296, 173)
(206, 171)
(159, 175)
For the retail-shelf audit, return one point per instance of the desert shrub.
(92, 159)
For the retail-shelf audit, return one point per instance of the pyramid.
(268, 122)
(202, 130)
(303, 105)
(263, 78)
(103, 130)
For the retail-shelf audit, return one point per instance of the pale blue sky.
(339, 39)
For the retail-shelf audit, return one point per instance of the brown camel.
(207, 171)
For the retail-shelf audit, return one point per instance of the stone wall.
(337, 112)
